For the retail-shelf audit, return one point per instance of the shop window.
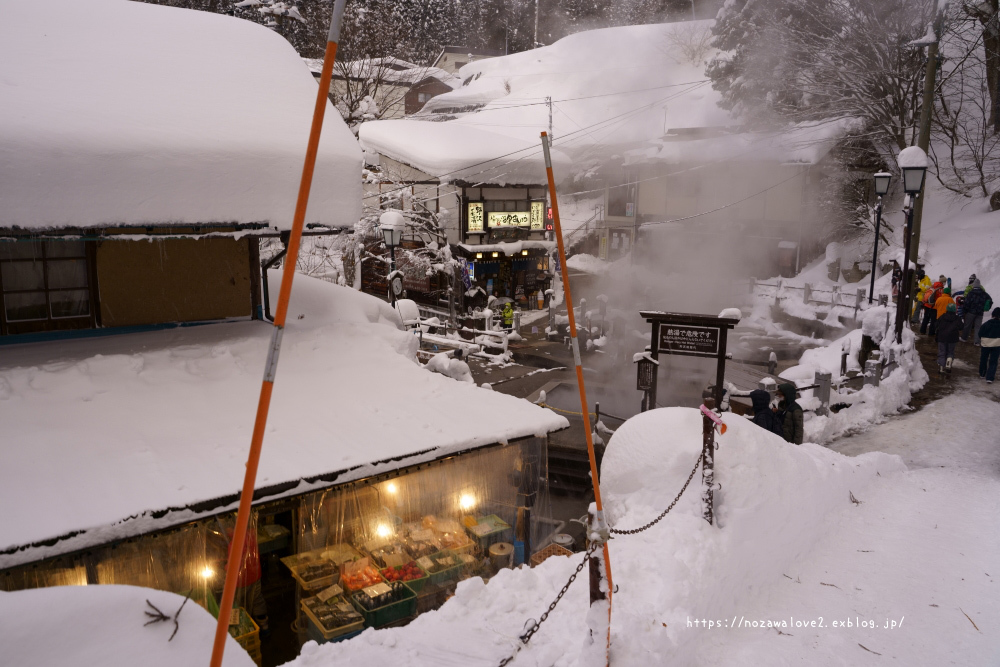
(45, 285)
(622, 194)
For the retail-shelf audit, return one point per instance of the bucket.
(501, 554)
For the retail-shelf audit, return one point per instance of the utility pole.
(924, 138)
(548, 101)
(534, 43)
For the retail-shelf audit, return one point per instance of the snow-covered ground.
(102, 626)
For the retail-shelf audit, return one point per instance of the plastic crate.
(416, 585)
(539, 557)
(247, 634)
(390, 613)
(446, 574)
(318, 632)
(433, 596)
(497, 530)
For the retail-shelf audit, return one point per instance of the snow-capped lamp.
(882, 180)
(392, 224)
(913, 162)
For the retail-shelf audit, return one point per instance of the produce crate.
(416, 585)
(552, 550)
(490, 530)
(447, 573)
(320, 633)
(335, 554)
(390, 613)
(247, 634)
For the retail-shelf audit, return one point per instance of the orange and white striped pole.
(598, 523)
(288, 274)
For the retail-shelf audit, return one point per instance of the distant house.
(135, 196)
(453, 58)
(396, 87)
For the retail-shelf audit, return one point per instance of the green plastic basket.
(390, 613)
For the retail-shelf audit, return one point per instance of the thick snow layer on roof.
(388, 69)
(806, 143)
(102, 626)
(163, 420)
(611, 86)
(118, 112)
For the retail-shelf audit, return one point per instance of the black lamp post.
(913, 162)
(881, 188)
(392, 224)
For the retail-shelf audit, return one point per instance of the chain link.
(652, 523)
(535, 625)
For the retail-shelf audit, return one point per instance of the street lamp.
(913, 162)
(392, 224)
(881, 189)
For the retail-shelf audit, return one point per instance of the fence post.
(777, 292)
(835, 297)
(517, 322)
(772, 363)
(858, 298)
(769, 385)
(873, 373)
(824, 380)
(883, 299)
(807, 293)
(708, 464)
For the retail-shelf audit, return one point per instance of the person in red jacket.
(248, 589)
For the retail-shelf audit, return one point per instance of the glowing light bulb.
(382, 530)
(467, 501)
(208, 572)
(391, 487)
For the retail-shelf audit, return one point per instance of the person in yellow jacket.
(923, 284)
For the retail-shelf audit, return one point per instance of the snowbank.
(137, 114)
(151, 421)
(102, 626)
(771, 511)
(870, 405)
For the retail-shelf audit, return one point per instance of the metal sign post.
(690, 335)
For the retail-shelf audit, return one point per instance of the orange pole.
(235, 560)
(579, 366)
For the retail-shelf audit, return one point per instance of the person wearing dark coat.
(949, 328)
(793, 414)
(976, 302)
(763, 416)
(989, 335)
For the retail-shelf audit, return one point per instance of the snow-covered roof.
(147, 422)
(805, 144)
(125, 113)
(393, 70)
(609, 87)
(101, 626)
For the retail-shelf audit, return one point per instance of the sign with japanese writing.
(537, 215)
(475, 216)
(689, 340)
(508, 219)
(645, 375)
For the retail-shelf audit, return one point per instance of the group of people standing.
(958, 317)
(784, 419)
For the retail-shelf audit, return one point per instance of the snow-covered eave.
(151, 521)
(509, 248)
(160, 232)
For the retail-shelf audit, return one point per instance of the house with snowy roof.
(123, 456)
(638, 142)
(135, 193)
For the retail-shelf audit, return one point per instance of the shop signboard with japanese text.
(684, 339)
(508, 219)
(475, 217)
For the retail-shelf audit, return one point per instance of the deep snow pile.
(771, 510)
(163, 419)
(118, 112)
(102, 626)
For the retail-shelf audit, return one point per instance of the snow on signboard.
(137, 114)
